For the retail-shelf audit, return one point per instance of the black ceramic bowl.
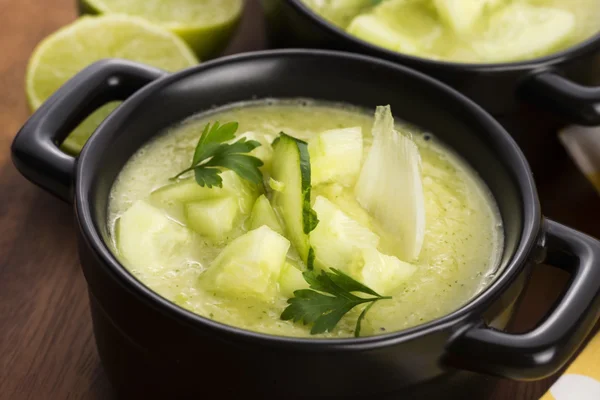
(552, 81)
(149, 346)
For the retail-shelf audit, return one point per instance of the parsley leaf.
(327, 300)
(212, 154)
(211, 138)
(208, 177)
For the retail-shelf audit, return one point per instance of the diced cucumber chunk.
(184, 191)
(381, 272)
(414, 18)
(175, 194)
(336, 155)
(276, 185)
(290, 280)
(213, 218)
(462, 15)
(521, 31)
(249, 266)
(148, 239)
(263, 214)
(410, 27)
(372, 29)
(344, 199)
(264, 152)
(337, 239)
(291, 166)
(340, 12)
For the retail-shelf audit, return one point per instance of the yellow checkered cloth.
(581, 381)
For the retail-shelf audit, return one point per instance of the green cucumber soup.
(469, 31)
(408, 219)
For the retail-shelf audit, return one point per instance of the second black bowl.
(553, 82)
(532, 99)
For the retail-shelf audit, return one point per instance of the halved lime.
(72, 48)
(206, 25)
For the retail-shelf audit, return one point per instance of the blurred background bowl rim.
(584, 47)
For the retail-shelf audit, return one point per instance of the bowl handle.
(576, 103)
(547, 348)
(35, 149)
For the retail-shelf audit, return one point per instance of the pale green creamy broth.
(473, 31)
(461, 249)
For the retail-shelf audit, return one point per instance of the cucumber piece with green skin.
(263, 214)
(291, 166)
(212, 218)
(249, 266)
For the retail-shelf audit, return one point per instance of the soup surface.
(471, 31)
(157, 239)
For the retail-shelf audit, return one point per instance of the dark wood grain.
(46, 344)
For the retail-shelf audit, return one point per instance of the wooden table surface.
(47, 350)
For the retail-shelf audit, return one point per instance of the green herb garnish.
(327, 300)
(212, 155)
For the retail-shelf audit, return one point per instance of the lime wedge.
(206, 25)
(67, 51)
